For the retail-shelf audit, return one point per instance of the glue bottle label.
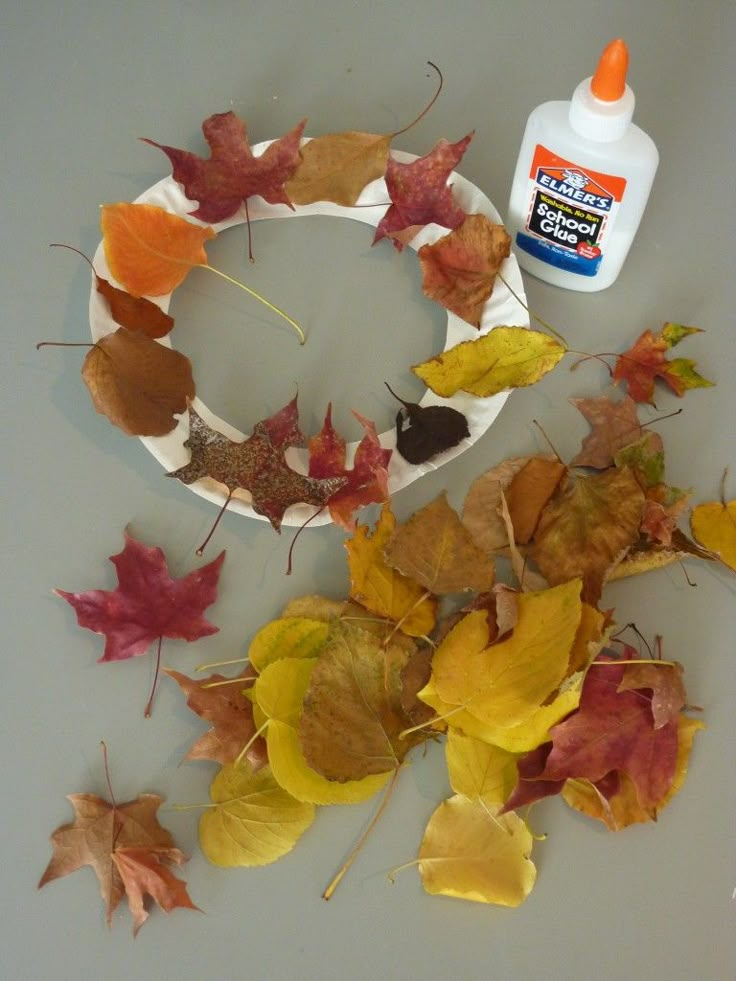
(571, 211)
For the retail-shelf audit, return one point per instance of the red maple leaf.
(367, 482)
(232, 174)
(643, 363)
(420, 194)
(147, 604)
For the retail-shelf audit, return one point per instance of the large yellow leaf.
(337, 167)
(287, 637)
(507, 357)
(504, 684)
(479, 770)
(254, 821)
(714, 525)
(382, 589)
(470, 852)
(435, 549)
(149, 250)
(279, 693)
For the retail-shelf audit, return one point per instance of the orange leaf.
(149, 250)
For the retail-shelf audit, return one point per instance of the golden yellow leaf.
(337, 167)
(470, 852)
(507, 357)
(504, 684)
(279, 693)
(435, 549)
(714, 525)
(313, 607)
(287, 637)
(254, 820)
(383, 590)
(149, 250)
(479, 770)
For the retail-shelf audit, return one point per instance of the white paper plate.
(501, 308)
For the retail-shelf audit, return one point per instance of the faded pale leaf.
(337, 167)
(506, 357)
(435, 549)
(613, 424)
(287, 637)
(470, 852)
(479, 770)
(254, 820)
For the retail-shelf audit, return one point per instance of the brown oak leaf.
(232, 174)
(459, 270)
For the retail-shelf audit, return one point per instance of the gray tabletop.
(81, 81)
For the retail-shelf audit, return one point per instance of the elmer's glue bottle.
(582, 181)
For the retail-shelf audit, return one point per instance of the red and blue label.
(570, 215)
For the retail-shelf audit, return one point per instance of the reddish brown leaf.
(643, 363)
(419, 191)
(528, 493)
(147, 603)
(232, 174)
(144, 874)
(664, 681)
(459, 270)
(256, 465)
(136, 313)
(366, 483)
(231, 715)
(614, 425)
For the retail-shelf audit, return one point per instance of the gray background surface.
(80, 81)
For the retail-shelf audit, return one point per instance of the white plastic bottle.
(582, 181)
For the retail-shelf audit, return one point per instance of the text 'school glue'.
(582, 181)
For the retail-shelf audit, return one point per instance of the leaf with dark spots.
(431, 429)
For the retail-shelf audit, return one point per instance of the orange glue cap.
(609, 81)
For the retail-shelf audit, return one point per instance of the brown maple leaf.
(221, 701)
(614, 425)
(232, 174)
(459, 270)
(420, 194)
(256, 465)
(128, 850)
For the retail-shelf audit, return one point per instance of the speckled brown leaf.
(614, 425)
(138, 384)
(435, 549)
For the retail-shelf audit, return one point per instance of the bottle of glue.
(582, 181)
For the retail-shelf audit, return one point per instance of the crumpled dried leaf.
(229, 711)
(435, 549)
(459, 270)
(614, 425)
(506, 357)
(383, 590)
(643, 363)
(352, 717)
(254, 820)
(138, 384)
(420, 194)
(232, 174)
(149, 250)
(431, 429)
(470, 851)
(128, 850)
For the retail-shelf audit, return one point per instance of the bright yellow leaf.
(287, 637)
(254, 820)
(382, 589)
(279, 694)
(479, 770)
(714, 525)
(507, 357)
(470, 852)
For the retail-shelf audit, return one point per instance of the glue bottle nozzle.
(609, 81)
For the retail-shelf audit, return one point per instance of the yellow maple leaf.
(507, 357)
(254, 820)
(469, 851)
(714, 525)
(383, 590)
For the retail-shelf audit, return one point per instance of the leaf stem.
(220, 664)
(641, 660)
(229, 681)
(257, 296)
(222, 510)
(239, 758)
(397, 626)
(63, 344)
(149, 704)
(426, 109)
(400, 868)
(103, 745)
(355, 850)
(535, 316)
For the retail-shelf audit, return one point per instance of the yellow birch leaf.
(313, 607)
(479, 770)
(337, 167)
(504, 684)
(714, 525)
(383, 590)
(470, 852)
(436, 550)
(254, 820)
(507, 357)
(279, 693)
(287, 637)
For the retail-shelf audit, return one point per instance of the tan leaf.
(528, 493)
(337, 167)
(482, 508)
